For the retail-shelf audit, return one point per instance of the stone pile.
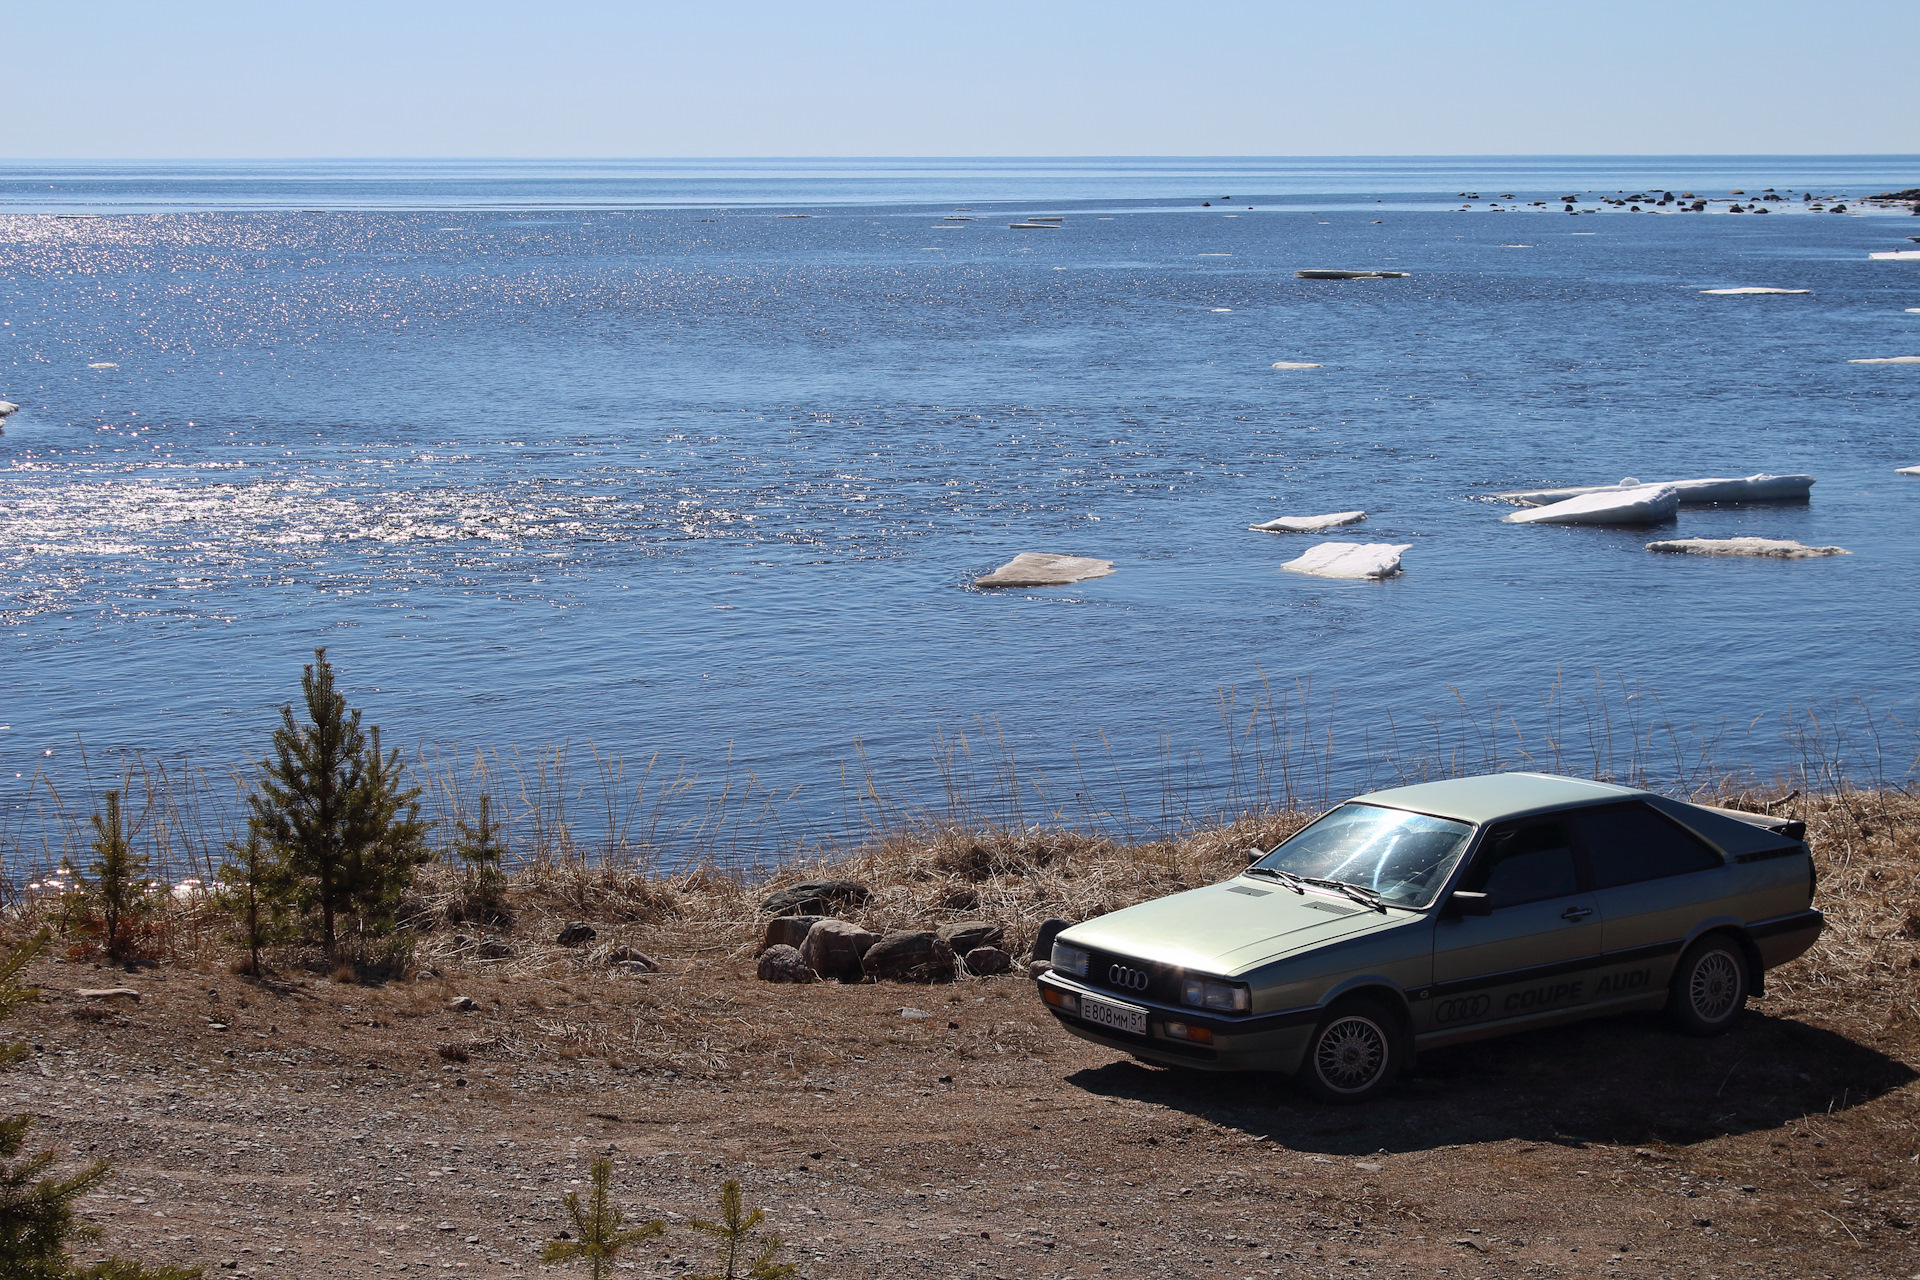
(804, 943)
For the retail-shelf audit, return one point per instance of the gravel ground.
(302, 1127)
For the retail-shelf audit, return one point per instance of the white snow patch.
(1772, 548)
(1642, 504)
(1350, 560)
(1043, 569)
(1310, 524)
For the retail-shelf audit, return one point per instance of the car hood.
(1230, 927)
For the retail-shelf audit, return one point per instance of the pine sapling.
(115, 893)
(481, 845)
(735, 1234)
(254, 890)
(598, 1226)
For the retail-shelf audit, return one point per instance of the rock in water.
(816, 897)
(1310, 524)
(1641, 504)
(1350, 560)
(783, 964)
(965, 935)
(1041, 569)
(834, 948)
(985, 962)
(787, 931)
(576, 934)
(1774, 548)
(1752, 289)
(910, 955)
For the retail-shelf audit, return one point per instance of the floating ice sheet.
(1643, 504)
(1043, 569)
(1310, 524)
(1897, 255)
(1752, 288)
(1771, 548)
(1888, 360)
(1320, 274)
(1293, 364)
(1908, 471)
(1759, 487)
(1350, 560)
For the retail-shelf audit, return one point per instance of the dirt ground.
(305, 1127)
(310, 1128)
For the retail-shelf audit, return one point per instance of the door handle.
(1574, 915)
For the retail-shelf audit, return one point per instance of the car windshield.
(1403, 857)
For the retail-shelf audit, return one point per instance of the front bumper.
(1252, 1042)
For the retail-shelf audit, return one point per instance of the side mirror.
(1254, 855)
(1465, 902)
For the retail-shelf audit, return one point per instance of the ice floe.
(1897, 255)
(1641, 504)
(1907, 471)
(1888, 360)
(1043, 569)
(1759, 487)
(1752, 288)
(1293, 364)
(1774, 548)
(1319, 274)
(1350, 560)
(1310, 524)
(8, 407)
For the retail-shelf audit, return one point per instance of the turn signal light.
(1065, 1001)
(1181, 1031)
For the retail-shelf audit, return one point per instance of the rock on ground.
(1775, 548)
(576, 934)
(788, 931)
(964, 935)
(628, 957)
(985, 962)
(784, 964)
(910, 955)
(834, 948)
(1043, 569)
(816, 897)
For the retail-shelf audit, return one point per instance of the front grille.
(1161, 981)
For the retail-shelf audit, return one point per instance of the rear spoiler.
(1791, 828)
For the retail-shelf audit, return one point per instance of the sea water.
(627, 455)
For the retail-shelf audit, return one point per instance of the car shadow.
(1627, 1080)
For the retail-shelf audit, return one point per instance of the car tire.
(1356, 1053)
(1709, 986)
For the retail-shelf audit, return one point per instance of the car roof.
(1497, 795)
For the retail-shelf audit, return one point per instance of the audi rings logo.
(1131, 979)
(1462, 1010)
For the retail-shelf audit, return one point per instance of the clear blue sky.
(288, 78)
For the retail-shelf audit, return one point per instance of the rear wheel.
(1356, 1053)
(1709, 987)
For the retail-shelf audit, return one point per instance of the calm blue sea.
(620, 453)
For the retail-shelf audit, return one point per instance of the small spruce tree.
(114, 892)
(481, 846)
(598, 1225)
(255, 891)
(334, 809)
(37, 1223)
(735, 1232)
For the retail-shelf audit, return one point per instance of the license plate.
(1108, 1013)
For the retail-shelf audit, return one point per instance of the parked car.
(1433, 914)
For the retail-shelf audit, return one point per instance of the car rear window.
(1630, 843)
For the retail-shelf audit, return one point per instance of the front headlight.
(1228, 997)
(1068, 958)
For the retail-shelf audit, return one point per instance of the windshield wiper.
(1287, 878)
(1360, 894)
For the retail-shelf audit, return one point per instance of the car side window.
(1631, 843)
(1526, 864)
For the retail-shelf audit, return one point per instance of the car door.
(1654, 882)
(1531, 954)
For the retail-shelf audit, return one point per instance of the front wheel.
(1355, 1054)
(1709, 987)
